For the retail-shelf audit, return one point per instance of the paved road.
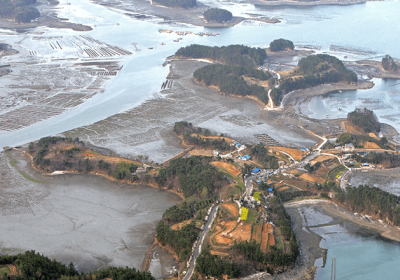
(197, 251)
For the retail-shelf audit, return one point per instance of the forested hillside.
(18, 10)
(232, 55)
(31, 265)
(217, 15)
(364, 119)
(193, 175)
(229, 80)
(371, 201)
(315, 70)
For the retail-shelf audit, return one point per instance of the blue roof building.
(247, 156)
(255, 170)
(270, 189)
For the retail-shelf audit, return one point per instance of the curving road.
(202, 236)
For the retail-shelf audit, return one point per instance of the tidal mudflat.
(387, 180)
(147, 129)
(85, 219)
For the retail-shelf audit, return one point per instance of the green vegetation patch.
(4, 269)
(251, 216)
(29, 178)
(336, 172)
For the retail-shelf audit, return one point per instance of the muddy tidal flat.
(87, 219)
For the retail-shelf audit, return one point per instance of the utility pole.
(333, 269)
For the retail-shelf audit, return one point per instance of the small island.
(217, 15)
(281, 45)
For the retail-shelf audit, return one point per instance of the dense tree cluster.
(281, 45)
(389, 64)
(184, 211)
(177, 3)
(316, 70)
(180, 240)
(371, 201)
(260, 153)
(276, 95)
(232, 55)
(18, 10)
(364, 119)
(230, 81)
(31, 265)
(359, 140)
(211, 265)
(194, 175)
(274, 258)
(187, 129)
(218, 144)
(388, 160)
(218, 15)
(124, 170)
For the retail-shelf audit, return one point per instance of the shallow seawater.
(360, 254)
(383, 99)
